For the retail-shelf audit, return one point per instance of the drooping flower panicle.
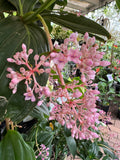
(73, 104)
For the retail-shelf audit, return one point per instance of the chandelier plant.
(24, 74)
(78, 110)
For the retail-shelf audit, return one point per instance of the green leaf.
(23, 6)
(67, 131)
(61, 2)
(6, 6)
(79, 24)
(71, 145)
(13, 147)
(100, 154)
(94, 149)
(56, 77)
(118, 3)
(106, 158)
(45, 137)
(108, 151)
(102, 79)
(44, 6)
(38, 111)
(44, 109)
(13, 32)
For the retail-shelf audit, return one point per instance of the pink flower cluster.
(87, 57)
(77, 113)
(43, 152)
(27, 73)
(72, 106)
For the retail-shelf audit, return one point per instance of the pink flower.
(74, 55)
(86, 36)
(73, 37)
(11, 60)
(105, 63)
(15, 79)
(77, 93)
(46, 91)
(59, 59)
(24, 47)
(91, 41)
(29, 95)
(39, 103)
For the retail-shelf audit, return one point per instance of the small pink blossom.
(46, 91)
(36, 57)
(43, 152)
(39, 103)
(105, 63)
(29, 95)
(77, 93)
(60, 60)
(73, 37)
(11, 60)
(74, 55)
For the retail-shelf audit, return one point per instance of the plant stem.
(51, 46)
(21, 8)
(39, 10)
(37, 145)
(111, 55)
(7, 123)
(102, 145)
(46, 31)
(12, 126)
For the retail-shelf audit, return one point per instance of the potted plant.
(107, 93)
(59, 34)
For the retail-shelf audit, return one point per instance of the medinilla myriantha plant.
(29, 60)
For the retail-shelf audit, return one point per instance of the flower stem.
(51, 47)
(12, 126)
(7, 123)
(21, 8)
(46, 31)
(31, 17)
(111, 60)
(37, 145)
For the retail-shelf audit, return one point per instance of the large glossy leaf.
(13, 147)
(6, 6)
(13, 32)
(71, 145)
(79, 24)
(61, 2)
(45, 5)
(23, 6)
(118, 3)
